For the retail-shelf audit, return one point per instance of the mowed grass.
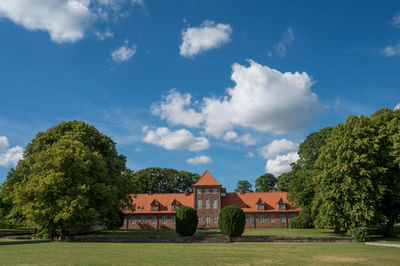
(68, 253)
(248, 232)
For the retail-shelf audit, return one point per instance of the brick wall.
(205, 212)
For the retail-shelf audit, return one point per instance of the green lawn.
(67, 253)
(247, 232)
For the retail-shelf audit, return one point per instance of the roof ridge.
(207, 179)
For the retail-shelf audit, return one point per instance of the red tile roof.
(142, 202)
(248, 201)
(207, 180)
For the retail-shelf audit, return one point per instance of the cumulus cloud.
(175, 140)
(249, 155)
(396, 20)
(67, 21)
(245, 139)
(397, 107)
(9, 155)
(104, 35)
(207, 36)
(123, 53)
(287, 38)
(202, 159)
(175, 109)
(391, 50)
(281, 163)
(277, 147)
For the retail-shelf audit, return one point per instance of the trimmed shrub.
(360, 234)
(232, 221)
(186, 221)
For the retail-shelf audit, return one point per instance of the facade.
(157, 211)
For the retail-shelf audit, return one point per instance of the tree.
(186, 221)
(70, 177)
(244, 186)
(163, 180)
(232, 221)
(282, 182)
(265, 183)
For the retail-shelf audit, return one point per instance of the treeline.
(265, 183)
(71, 177)
(348, 176)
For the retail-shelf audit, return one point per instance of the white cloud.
(246, 139)
(175, 140)
(137, 150)
(397, 107)
(67, 21)
(392, 50)
(287, 38)
(281, 163)
(104, 35)
(9, 156)
(277, 147)
(123, 53)
(263, 99)
(175, 109)
(207, 36)
(396, 20)
(249, 155)
(202, 159)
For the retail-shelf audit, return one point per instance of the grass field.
(67, 253)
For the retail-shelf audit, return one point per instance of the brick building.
(157, 211)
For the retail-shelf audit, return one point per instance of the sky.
(229, 86)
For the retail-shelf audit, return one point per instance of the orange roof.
(207, 180)
(248, 201)
(142, 202)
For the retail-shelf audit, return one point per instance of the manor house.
(157, 211)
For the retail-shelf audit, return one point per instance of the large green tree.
(282, 182)
(243, 186)
(265, 183)
(163, 180)
(70, 177)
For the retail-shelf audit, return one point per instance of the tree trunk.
(390, 228)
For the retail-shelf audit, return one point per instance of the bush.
(303, 220)
(232, 221)
(186, 221)
(359, 233)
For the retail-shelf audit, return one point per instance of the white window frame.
(173, 219)
(133, 219)
(198, 191)
(215, 191)
(283, 219)
(261, 218)
(199, 204)
(164, 219)
(175, 207)
(154, 208)
(260, 206)
(215, 219)
(153, 219)
(199, 219)
(215, 204)
(143, 220)
(251, 218)
(272, 218)
(207, 220)
(282, 207)
(207, 191)
(207, 204)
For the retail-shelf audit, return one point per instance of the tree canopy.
(244, 186)
(163, 180)
(265, 183)
(70, 177)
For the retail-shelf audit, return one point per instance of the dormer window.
(260, 204)
(175, 207)
(154, 208)
(281, 204)
(155, 205)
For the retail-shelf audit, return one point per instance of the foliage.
(303, 220)
(163, 180)
(244, 186)
(360, 234)
(282, 182)
(265, 183)
(232, 221)
(186, 221)
(70, 177)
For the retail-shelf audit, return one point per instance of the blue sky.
(229, 86)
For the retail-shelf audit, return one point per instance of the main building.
(157, 211)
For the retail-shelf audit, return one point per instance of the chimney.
(150, 193)
(241, 191)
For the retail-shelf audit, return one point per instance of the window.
(207, 204)
(207, 191)
(198, 191)
(199, 218)
(175, 207)
(154, 208)
(143, 219)
(260, 206)
(173, 219)
(199, 203)
(208, 220)
(215, 191)
(153, 219)
(282, 207)
(251, 219)
(133, 220)
(283, 219)
(215, 219)
(261, 218)
(272, 219)
(215, 204)
(164, 219)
